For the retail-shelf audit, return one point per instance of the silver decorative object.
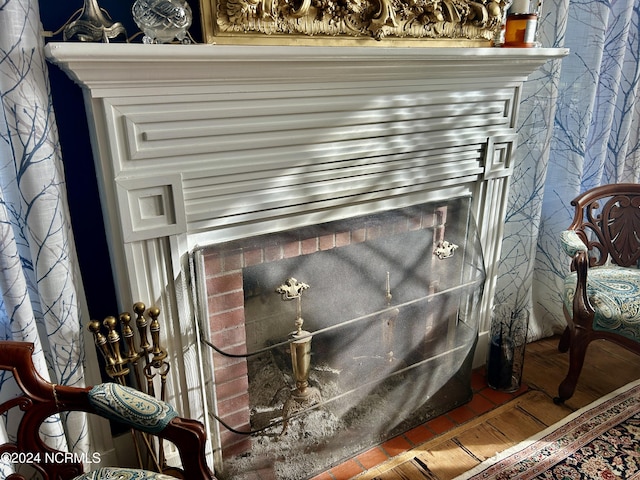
(162, 21)
(445, 249)
(93, 25)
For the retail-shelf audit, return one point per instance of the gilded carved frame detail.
(331, 20)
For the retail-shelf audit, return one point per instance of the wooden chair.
(41, 399)
(602, 294)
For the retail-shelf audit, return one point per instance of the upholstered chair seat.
(130, 406)
(615, 295)
(113, 473)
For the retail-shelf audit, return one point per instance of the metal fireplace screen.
(360, 340)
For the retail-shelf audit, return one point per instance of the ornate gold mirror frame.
(353, 22)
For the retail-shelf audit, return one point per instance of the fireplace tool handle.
(120, 353)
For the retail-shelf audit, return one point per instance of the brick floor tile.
(440, 424)
(461, 414)
(372, 457)
(480, 404)
(346, 470)
(496, 396)
(396, 446)
(419, 435)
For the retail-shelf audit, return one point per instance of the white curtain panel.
(578, 128)
(38, 278)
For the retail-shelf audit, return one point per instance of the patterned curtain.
(40, 302)
(579, 128)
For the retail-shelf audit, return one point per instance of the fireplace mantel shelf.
(106, 66)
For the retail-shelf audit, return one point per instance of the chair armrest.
(41, 399)
(571, 243)
(148, 414)
(579, 252)
(582, 308)
(131, 407)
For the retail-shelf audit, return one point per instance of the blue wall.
(84, 203)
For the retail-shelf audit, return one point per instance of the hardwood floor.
(607, 367)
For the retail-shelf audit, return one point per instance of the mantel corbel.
(151, 207)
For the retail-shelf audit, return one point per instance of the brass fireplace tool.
(303, 396)
(388, 323)
(144, 363)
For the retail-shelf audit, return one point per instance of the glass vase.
(507, 341)
(162, 21)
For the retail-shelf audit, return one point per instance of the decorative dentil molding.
(379, 19)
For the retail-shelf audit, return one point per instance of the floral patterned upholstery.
(128, 405)
(122, 474)
(614, 293)
(571, 243)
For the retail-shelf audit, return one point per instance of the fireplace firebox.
(385, 309)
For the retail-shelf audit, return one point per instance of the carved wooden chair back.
(607, 220)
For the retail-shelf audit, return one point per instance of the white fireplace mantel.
(207, 143)
(125, 69)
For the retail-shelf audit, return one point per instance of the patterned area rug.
(600, 441)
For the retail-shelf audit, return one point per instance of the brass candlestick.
(388, 323)
(303, 396)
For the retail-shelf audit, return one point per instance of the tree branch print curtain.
(40, 302)
(579, 128)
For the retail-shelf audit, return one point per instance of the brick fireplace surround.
(204, 144)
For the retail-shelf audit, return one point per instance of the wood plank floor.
(607, 367)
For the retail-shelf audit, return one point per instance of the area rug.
(600, 441)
